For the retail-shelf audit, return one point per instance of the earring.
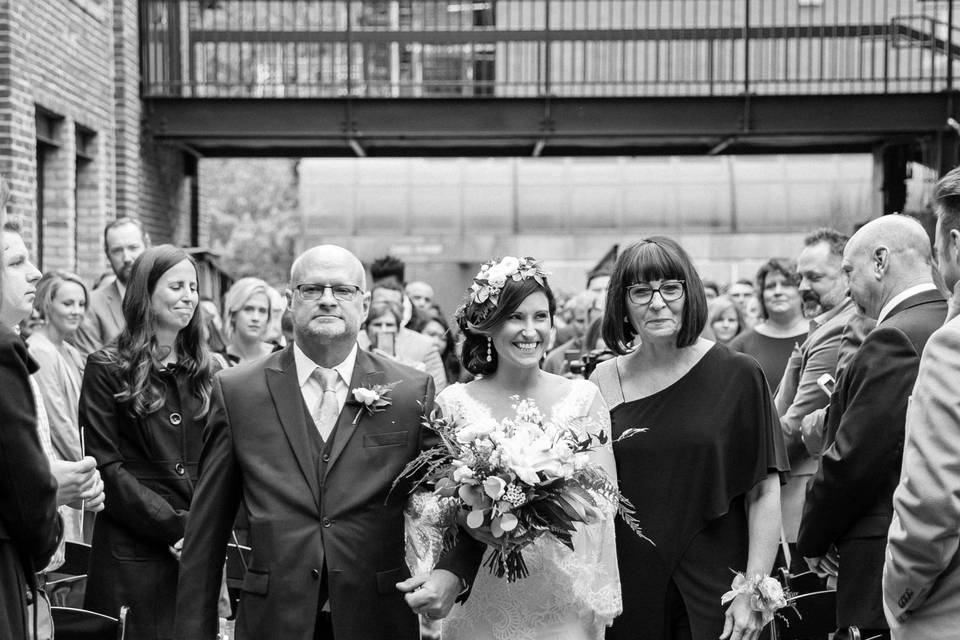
(489, 349)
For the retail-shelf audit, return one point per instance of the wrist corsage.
(766, 594)
(374, 399)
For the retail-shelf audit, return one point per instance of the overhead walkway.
(549, 77)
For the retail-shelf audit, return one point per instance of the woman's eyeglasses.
(669, 290)
(342, 292)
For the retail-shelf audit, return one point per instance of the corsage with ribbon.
(766, 594)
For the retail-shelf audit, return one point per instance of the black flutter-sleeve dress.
(711, 437)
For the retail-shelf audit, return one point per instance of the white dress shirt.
(311, 388)
(903, 295)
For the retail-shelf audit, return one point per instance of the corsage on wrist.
(766, 594)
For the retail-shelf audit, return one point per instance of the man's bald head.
(884, 258)
(327, 256)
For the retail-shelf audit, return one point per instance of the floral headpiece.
(493, 276)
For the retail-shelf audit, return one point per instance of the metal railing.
(536, 48)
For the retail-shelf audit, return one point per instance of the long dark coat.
(29, 525)
(149, 467)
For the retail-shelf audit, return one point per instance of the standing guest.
(921, 574)
(247, 314)
(438, 330)
(711, 290)
(421, 296)
(77, 480)
(849, 501)
(724, 319)
(143, 403)
(30, 528)
(124, 240)
(60, 301)
(740, 292)
(288, 439)
(823, 288)
(585, 307)
(704, 474)
(783, 327)
(382, 323)
(410, 346)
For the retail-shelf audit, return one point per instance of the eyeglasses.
(669, 290)
(314, 291)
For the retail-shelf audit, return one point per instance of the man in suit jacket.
(921, 576)
(326, 530)
(824, 289)
(410, 345)
(889, 267)
(123, 240)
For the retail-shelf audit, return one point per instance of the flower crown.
(493, 276)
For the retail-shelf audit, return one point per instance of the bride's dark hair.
(136, 352)
(473, 352)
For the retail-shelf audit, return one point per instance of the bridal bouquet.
(518, 479)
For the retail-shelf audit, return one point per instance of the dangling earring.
(489, 349)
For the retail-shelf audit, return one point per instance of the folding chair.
(236, 568)
(66, 586)
(814, 614)
(80, 624)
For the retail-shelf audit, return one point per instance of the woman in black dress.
(142, 404)
(704, 474)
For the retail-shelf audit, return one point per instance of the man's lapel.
(365, 374)
(924, 297)
(288, 401)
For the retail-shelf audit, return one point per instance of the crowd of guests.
(807, 418)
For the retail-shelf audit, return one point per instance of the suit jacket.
(342, 518)
(103, 321)
(798, 396)
(415, 348)
(921, 576)
(29, 525)
(848, 502)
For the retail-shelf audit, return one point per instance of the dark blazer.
(103, 321)
(149, 466)
(29, 525)
(306, 518)
(849, 500)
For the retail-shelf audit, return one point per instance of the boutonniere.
(373, 399)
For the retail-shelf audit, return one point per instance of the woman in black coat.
(142, 404)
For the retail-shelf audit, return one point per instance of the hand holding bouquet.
(518, 479)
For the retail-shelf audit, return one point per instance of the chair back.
(80, 624)
(813, 614)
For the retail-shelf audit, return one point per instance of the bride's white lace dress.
(569, 595)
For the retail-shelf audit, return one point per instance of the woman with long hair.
(60, 302)
(247, 314)
(143, 403)
(568, 593)
(724, 319)
(703, 476)
(436, 328)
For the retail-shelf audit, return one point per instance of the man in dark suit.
(288, 436)
(848, 505)
(124, 239)
(921, 577)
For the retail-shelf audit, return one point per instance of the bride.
(568, 595)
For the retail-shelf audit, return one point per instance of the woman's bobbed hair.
(136, 351)
(475, 326)
(237, 296)
(653, 258)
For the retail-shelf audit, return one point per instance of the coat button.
(315, 574)
(179, 468)
(175, 419)
(326, 457)
(326, 522)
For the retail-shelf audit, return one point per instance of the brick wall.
(77, 62)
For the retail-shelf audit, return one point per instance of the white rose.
(509, 264)
(365, 396)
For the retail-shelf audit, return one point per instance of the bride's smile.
(522, 338)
